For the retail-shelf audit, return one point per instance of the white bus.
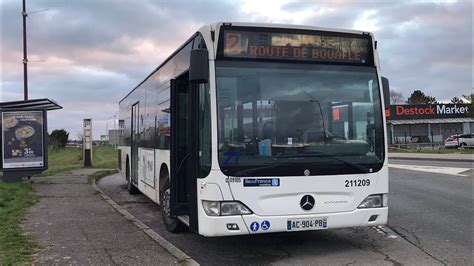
(255, 128)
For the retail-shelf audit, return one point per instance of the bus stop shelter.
(24, 138)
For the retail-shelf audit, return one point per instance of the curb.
(431, 159)
(183, 258)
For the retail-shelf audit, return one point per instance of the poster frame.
(44, 139)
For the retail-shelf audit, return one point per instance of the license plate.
(307, 224)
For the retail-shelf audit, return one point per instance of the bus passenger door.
(183, 150)
(134, 143)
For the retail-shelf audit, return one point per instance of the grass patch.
(68, 159)
(102, 173)
(63, 160)
(15, 247)
(104, 157)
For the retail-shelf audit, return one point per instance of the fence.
(419, 146)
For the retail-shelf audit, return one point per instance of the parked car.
(451, 142)
(466, 140)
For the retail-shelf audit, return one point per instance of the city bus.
(254, 128)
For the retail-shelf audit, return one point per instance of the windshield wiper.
(351, 164)
(247, 172)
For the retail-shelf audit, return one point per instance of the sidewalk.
(74, 225)
(432, 156)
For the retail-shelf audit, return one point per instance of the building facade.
(428, 123)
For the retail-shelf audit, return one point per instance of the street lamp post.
(25, 59)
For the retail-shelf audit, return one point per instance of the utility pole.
(25, 58)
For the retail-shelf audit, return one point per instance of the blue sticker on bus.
(275, 182)
(261, 182)
(265, 225)
(254, 226)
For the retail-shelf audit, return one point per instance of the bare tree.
(80, 136)
(468, 97)
(396, 97)
(456, 100)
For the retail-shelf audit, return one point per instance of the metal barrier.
(419, 146)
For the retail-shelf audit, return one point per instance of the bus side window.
(204, 131)
(163, 124)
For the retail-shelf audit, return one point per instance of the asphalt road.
(431, 214)
(433, 211)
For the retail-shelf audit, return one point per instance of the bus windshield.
(293, 119)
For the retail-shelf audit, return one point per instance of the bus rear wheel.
(172, 224)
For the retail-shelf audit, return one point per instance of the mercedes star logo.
(307, 202)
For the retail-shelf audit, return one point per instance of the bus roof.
(286, 26)
(217, 25)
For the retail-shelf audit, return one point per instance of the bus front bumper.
(255, 224)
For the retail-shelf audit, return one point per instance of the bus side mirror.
(386, 92)
(199, 66)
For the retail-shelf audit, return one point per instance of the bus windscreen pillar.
(87, 142)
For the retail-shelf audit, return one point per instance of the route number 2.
(232, 43)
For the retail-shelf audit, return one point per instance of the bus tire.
(172, 224)
(131, 188)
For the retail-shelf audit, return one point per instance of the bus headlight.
(234, 208)
(225, 208)
(374, 201)
(212, 208)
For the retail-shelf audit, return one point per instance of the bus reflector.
(373, 218)
(232, 226)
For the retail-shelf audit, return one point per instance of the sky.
(88, 54)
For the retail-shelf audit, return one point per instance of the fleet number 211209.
(357, 183)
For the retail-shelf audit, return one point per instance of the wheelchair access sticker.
(265, 225)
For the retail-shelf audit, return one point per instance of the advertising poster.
(146, 166)
(22, 139)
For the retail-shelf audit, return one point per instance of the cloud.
(422, 45)
(427, 46)
(93, 52)
(88, 54)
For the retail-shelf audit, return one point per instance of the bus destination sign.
(302, 47)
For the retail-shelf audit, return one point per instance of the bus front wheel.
(172, 224)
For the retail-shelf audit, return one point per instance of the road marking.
(183, 258)
(431, 169)
(386, 231)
